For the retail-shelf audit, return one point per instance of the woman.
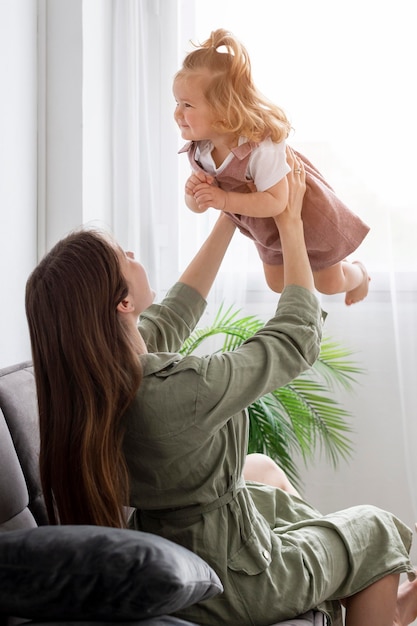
(125, 420)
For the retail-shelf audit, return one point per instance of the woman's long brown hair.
(230, 91)
(86, 376)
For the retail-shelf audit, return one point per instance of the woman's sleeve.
(285, 347)
(165, 326)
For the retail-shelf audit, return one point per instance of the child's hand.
(207, 195)
(195, 179)
(202, 194)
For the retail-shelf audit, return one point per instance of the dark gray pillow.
(95, 573)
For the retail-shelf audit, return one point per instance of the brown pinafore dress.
(332, 231)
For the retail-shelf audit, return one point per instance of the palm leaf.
(301, 417)
(334, 365)
(271, 433)
(235, 331)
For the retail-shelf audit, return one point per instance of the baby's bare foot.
(361, 291)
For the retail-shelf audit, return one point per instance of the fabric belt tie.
(190, 511)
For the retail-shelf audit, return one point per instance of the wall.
(42, 120)
(383, 467)
(18, 173)
(41, 157)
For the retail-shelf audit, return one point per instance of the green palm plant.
(300, 417)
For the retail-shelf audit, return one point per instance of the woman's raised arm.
(297, 268)
(202, 270)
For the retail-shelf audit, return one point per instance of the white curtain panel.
(346, 82)
(149, 216)
(343, 73)
(133, 122)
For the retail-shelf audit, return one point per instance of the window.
(343, 73)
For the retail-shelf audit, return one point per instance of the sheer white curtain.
(148, 214)
(130, 183)
(133, 177)
(344, 73)
(134, 131)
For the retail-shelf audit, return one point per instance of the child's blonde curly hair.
(230, 91)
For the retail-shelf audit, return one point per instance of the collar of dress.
(240, 151)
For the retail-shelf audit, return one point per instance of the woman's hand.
(296, 188)
(297, 269)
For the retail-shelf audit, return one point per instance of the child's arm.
(266, 203)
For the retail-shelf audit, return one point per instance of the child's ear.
(125, 306)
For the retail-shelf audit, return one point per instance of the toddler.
(237, 150)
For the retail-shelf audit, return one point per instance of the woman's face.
(140, 292)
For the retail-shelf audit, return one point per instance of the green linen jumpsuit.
(185, 445)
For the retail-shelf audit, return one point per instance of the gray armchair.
(64, 574)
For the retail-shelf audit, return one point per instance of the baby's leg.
(274, 276)
(351, 278)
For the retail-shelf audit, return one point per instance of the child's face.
(193, 114)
